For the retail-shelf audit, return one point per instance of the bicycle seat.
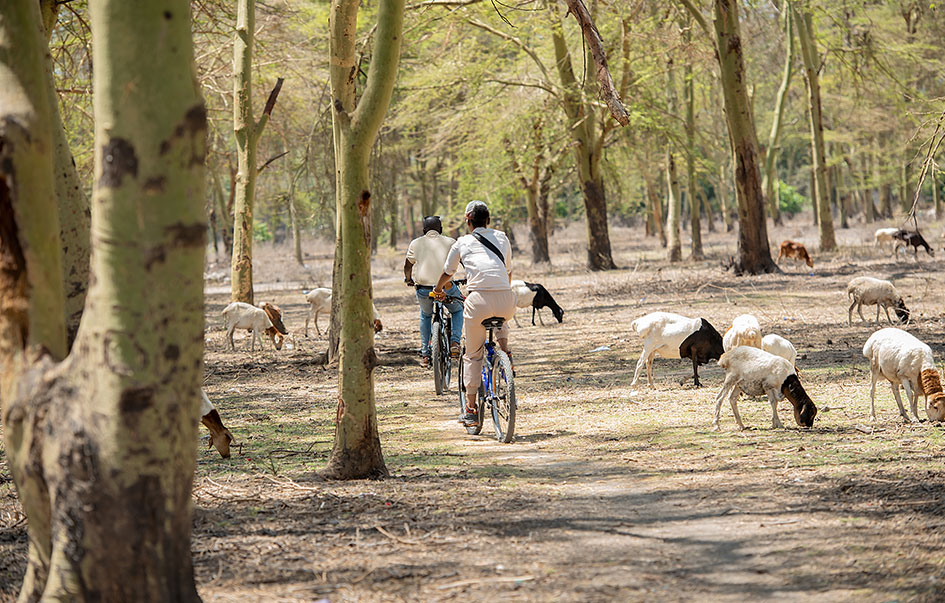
(495, 322)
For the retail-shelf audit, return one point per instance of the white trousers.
(479, 306)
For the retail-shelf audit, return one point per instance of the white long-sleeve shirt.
(484, 271)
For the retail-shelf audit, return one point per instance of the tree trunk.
(754, 255)
(226, 219)
(74, 216)
(655, 207)
(673, 209)
(294, 220)
(357, 448)
(936, 197)
(723, 195)
(771, 155)
(707, 208)
(581, 125)
(394, 219)
(102, 445)
(811, 58)
(695, 226)
(247, 131)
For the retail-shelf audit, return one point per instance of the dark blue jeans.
(426, 316)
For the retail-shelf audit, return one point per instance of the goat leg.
(695, 371)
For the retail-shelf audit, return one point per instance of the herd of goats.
(754, 364)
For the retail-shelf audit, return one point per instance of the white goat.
(319, 300)
(758, 373)
(904, 360)
(745, 330)
(673, 336)
(884, 235)
(868, 290)
(779, 346)
(246, 316)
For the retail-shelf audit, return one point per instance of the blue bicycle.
(497, 390)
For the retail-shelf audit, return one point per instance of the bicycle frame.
(487, 361)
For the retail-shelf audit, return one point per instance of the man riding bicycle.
(425, 258)
(487, 256)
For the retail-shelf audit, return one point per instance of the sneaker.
(454, 349)
(425, 362)
(470, 418)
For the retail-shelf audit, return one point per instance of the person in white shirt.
(425, 258)
(488, 278)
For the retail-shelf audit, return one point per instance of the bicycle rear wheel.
(503, 404)
(439, 360)
(461, 388)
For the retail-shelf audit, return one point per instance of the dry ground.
(607, 493)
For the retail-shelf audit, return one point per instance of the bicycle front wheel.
(503, 402)
(439, 361)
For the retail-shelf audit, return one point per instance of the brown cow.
(793, 250)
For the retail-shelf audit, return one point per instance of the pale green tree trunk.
(654, 206)
(247, 130)
(357, 448)
(936, 197)
(811, 58)
(771, 154)
(673, 198)
(754, 255)
(102, 445)
(694, 223)
(724, 175)
(72, 200)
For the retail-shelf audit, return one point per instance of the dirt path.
(608, 492)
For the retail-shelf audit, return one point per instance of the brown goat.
(793, 250)
(277, 331)
(931, 387)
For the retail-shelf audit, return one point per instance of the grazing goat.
(220, 436)
(320, 301)
(536, 296)
(885, 235)
(245, 316)
(674, 336)
(868, 290)
(908, 237)
(745, 330)
(902, 359)
(277, 331)
(758, 373)
(793, 250)
(779, 346)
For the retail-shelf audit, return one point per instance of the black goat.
(702, 346)
(536, 296)
(804, 409)
(908, 237)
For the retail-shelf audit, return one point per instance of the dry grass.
(608, 492)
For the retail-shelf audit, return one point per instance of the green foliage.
(261, 231)
(791, 201)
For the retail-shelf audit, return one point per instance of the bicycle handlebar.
(447, 298)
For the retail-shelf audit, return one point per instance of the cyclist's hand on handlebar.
(409, 282)
(440, 295)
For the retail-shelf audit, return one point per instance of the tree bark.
(582, 126)
(101, 445)
(811, 59)
(724, 173)
(655, 207)
(673, 198)
(695, 225)
(357, 448)
(754, 255)
(771, 154)
(74, 215)
(247, 131)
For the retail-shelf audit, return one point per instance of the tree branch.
(270, 160)
(271, 101)
(528, 50)
(696, 15)
(441, 3)
(382, 73)
(596, 45)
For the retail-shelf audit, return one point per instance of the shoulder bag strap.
(488, 245)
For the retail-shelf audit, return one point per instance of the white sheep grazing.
(758, 373)
(745, 330)
(246, 316)
(904, 360)
(319, 300)
(868, 290)
(673, 336)
(779, 346)
(884, 235)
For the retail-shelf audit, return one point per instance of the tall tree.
(690, 99)
(101, 444)
(247, 130)
(357, 448)
(812, 65)
(754, 253)
(771, 151)
(673, 197)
